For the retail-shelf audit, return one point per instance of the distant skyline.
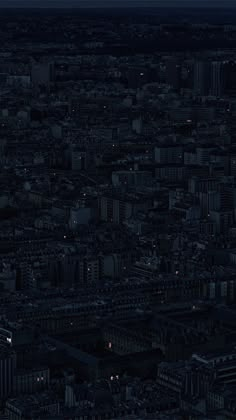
(119, 3)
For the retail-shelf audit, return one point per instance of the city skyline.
(117, 210)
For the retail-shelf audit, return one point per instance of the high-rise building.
(230, 77)
(7, 369)
(201, 82)
(217, 78)
(173, 72)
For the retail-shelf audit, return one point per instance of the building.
(173, 72)
(131, 178)
(117, 208)
(25, 407)
(201, 78)
(42, 74)
(7, 372)
(31, 381)
(217, 78)
(168, 154)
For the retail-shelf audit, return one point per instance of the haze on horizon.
(118, 3)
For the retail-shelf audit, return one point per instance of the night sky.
(118, 3)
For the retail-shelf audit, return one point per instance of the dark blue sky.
(121, 3)
(117, 3)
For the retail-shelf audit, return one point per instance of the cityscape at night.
(117, 210)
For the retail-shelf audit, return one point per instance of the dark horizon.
(105, 4)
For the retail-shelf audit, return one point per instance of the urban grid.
(118, 213)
